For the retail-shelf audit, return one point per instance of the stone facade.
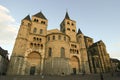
(50, 52)
(99, 60)
(115, 64)
(4, 61)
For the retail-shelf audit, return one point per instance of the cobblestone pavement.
(107, 76)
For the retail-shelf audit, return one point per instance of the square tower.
(68, 27)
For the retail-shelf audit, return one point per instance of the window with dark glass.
(48, 38)
(34, 38)
(53, 37)
(34, 30)
(22, 23)
(31, 44)
(40, 39)
(38, 45)
(68, 23)
(75, 46)
(41, 31)
(28, 24)
(72, 24)
(37, 39)
(50, 52)
(42, 22)
(62, 52)
(77, 52)
(59, 37)
(68, 29)
(65, 38)
(73, 30)
(97, 63)
(41, 46)
(35, 20)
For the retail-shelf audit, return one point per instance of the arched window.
(22, 23)
(53, 37)
(73, 30)
(68, 23)
(40, 39)
(59, 37)
(62, 52)
(37, 39)
(41, 46)
(65, 38)
(50, 52)
(34, 30)
(72, 24)
(34, 38)
(68, 29)
(48, 38)
(41, 31)
(77, 52)
(35, 20)
(31, 44)
(29, 24)
(42, 22)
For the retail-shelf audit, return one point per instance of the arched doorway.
(74, 64)
(34, 63)
(32, 70)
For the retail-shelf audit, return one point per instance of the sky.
(99, 19)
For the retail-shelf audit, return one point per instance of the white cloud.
(5, 16)
(4, 9)
(8, 27)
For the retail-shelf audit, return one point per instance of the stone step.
(70, 77)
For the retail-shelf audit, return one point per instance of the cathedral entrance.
(33, 63)
(74, 70)
(32, 70)
(74, 64)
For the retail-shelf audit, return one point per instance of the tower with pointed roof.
(40, 23)
(31, 37)
(20, 46)
(68, 26)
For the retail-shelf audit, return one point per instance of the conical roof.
(67, 16)
(27, 18)
(40, 15)
(79, 31)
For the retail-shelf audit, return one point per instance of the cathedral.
(55, 52)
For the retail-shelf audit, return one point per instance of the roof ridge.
(27, 18)
(67, 16)
(40, 15)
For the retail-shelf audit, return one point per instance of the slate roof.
(79, 31)
(40, 15)
(67, 16)
(27, 18)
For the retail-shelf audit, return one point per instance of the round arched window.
(34, 30)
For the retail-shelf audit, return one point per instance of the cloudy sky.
(99, 19)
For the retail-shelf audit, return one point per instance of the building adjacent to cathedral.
(4, 61)
(55, 52)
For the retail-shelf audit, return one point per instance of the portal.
(32, 70)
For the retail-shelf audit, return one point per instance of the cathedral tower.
(39, 24)
(19, 47)
(83, 52)
(68, 27)
(29, 49)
